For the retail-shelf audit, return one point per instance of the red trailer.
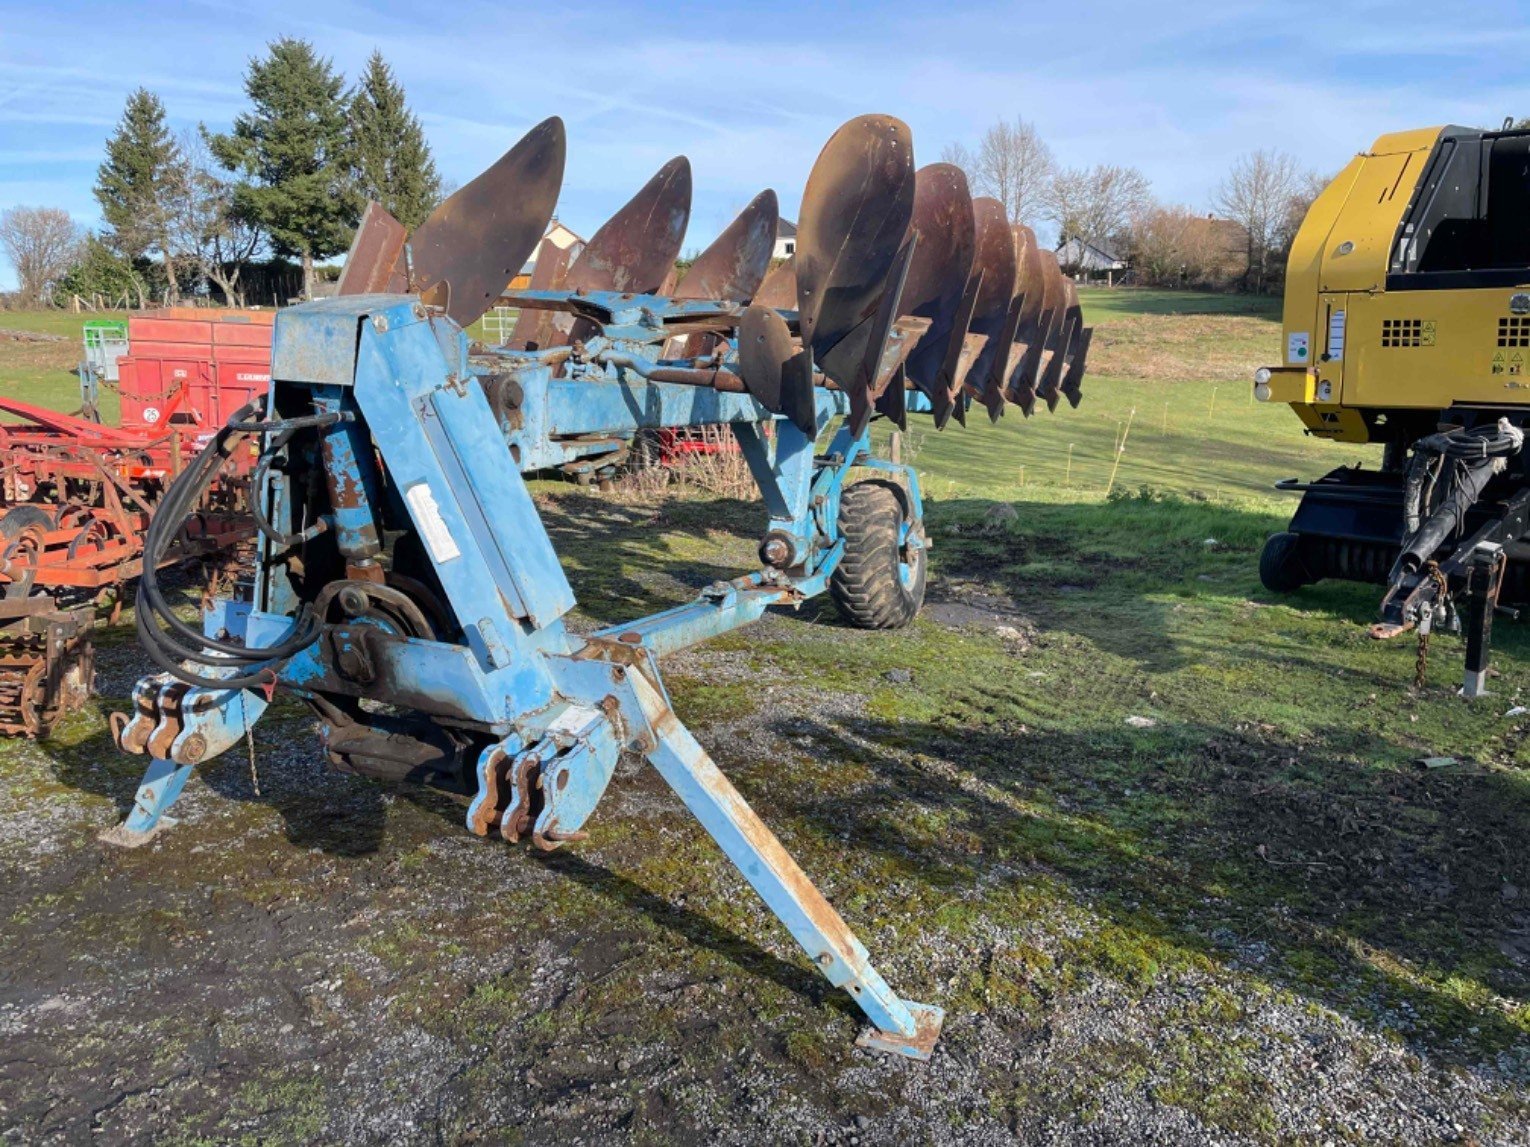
(76, 497)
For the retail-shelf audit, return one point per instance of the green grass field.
(44, 373)
(1156, 839)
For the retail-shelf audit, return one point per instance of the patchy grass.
(1180, 337)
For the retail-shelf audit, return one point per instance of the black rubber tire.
(1280, 564)
(18, 518)
(867, 586)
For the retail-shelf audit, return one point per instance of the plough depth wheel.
(879, 584)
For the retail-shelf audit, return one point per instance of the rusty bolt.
(194, 748)
(826, 960)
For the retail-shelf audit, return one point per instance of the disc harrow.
(405, 587)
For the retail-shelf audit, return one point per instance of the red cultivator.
(77, 496)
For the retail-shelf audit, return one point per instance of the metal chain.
(249, 740)
(1440, 605)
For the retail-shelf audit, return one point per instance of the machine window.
(1472, 214)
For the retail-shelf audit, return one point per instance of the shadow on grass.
(1115, 572)
(685, 924)
(1380, 893)
(624, 560)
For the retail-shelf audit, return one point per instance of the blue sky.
(750, 92)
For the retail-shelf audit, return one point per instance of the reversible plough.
(405, 587)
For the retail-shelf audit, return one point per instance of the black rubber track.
(866, 585)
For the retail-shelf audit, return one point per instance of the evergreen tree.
(393, 161)
(99, 270)
(292, 153)
(138, 184)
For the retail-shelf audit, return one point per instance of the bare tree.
(1298, 203)
(1014, 166)
(1257, 195)
(41, 243)
(962, 156)
(204, 225)
(1096, 204)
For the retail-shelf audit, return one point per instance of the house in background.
(560, 236)
(786, 240)
(1088, 260)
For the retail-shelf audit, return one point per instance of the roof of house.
(561, 234)
(786, 229)
(1090, 250)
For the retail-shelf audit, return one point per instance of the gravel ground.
(336, 960)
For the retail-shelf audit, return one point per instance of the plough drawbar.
(406, 589)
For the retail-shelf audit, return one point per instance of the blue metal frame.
(552, 707)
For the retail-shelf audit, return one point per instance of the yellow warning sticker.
(1426, 333)
(1516, 363)
(1499, 364)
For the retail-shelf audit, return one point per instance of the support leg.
(1483, 581)
(905, 1028)
(161, 785)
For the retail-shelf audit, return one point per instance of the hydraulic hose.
(165, 646)
(1446, 476)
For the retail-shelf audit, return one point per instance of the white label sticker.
(1297, 346)
(1336, 336)
(427, 516)
(151, 414)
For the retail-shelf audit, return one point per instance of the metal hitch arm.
(902, 1027)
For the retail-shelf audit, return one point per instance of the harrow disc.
(1025, 351)
(1056, 347)
(775, 373)
(477, 241)
(779, 290)
(534, 328)
(996, 257)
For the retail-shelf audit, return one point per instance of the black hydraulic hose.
(179, 501)
(148, 636)
(1446, 476)
(257, 479)
(285, 425)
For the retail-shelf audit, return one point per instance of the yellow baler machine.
(1407, 323)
